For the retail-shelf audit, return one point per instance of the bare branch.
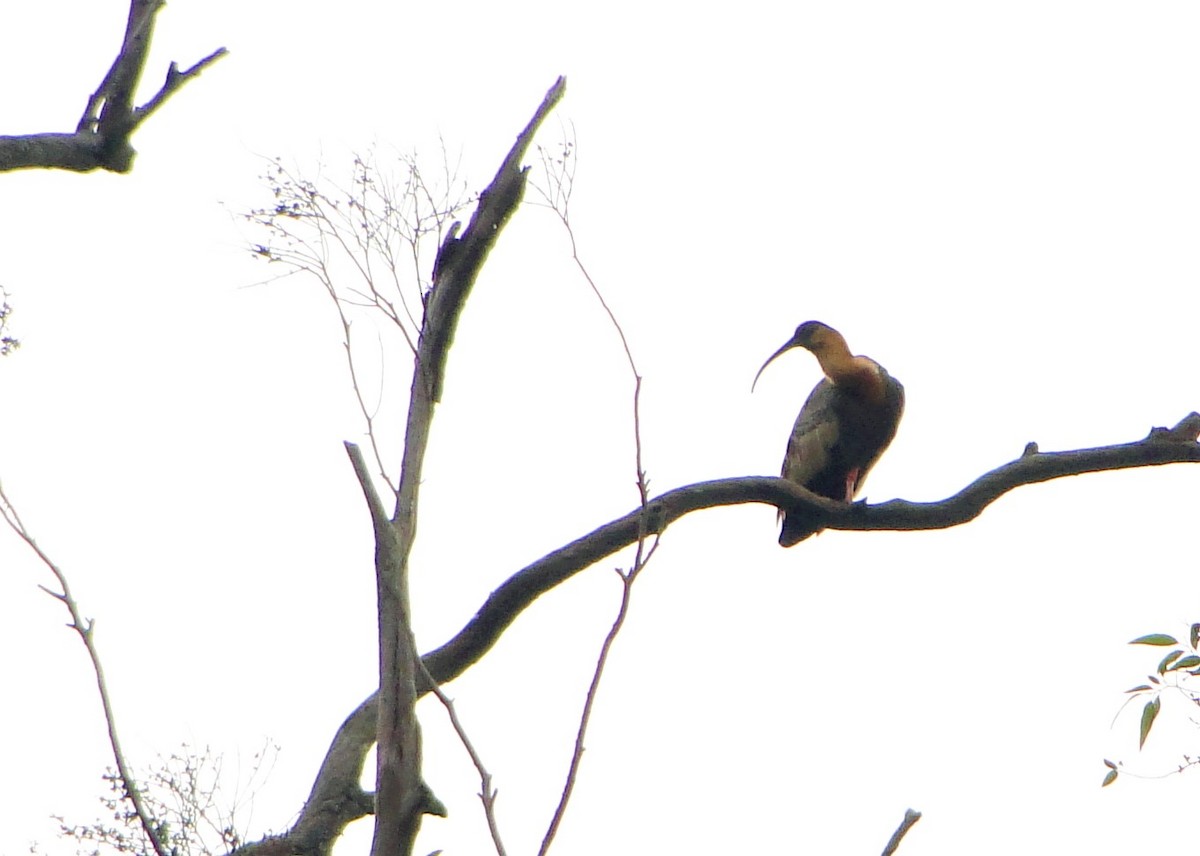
(337, 798)
(910, 818)
(460, 259)
(358, 242)
(84, 628)
(627, 581)
(101, 137)
(175, 80)
(402, 797)
(1177, 445)
(487, 794)
(560, 179)
(374, 505)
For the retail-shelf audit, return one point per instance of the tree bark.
(102, 137)
(402, 797)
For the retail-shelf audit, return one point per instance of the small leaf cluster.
(8, 343)
(1176, 667)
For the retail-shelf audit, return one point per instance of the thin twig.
(175, 79)
(84, 629)
(487, 794)
(559, 197)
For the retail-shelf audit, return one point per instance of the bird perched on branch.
(850, 417)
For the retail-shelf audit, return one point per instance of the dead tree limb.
(910, 818)
(402, 797)
(151, 826)
(1162, 446)
(387, 719)
(102, 136)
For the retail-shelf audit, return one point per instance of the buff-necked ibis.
(850, 417)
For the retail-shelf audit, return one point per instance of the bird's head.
(812, 336)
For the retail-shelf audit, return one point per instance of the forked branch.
(1163, 446)
(402, 797)
(101, 137)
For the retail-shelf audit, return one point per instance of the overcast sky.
(997, 201)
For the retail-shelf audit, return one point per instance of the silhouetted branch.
(560, 179)
(401, 795)
(460, 259)
(101, 138)
(910, 818)
(1163, 446)
(84, 628)
(487, 793)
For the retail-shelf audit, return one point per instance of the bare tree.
(386, 717)
(426, 321)
(101, 139)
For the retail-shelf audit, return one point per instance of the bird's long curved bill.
(786, 347)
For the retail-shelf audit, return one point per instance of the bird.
(847, 422)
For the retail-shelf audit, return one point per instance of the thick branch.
(336, 798)
(910, 818)
(460, 259)
(401, 794)
(101, 138)
(1177, 445)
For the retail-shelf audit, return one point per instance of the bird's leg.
(851, 484)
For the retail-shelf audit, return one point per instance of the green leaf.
(1153, 679)
(1155, 639)
(1168, 660)
(1109, 764)
(1109, 778)
(1149, 712)
(1191, 661)
(1140, 688)
(1195, 635)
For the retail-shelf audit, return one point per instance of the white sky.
(997, 201)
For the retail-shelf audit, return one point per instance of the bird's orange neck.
(845, 369)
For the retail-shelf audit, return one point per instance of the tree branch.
(1162, 446)
(402, 797)
(150, 825)
(910, 818)
(101, 138)
(460, 259)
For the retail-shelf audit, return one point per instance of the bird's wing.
(813, 436)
